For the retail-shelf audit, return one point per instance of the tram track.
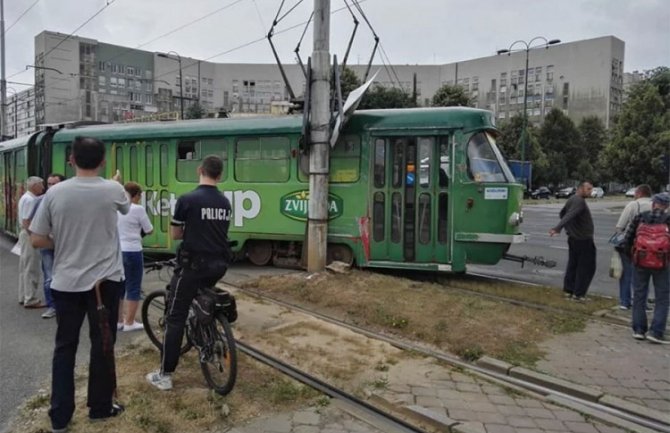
(642, 422)
(373, 414)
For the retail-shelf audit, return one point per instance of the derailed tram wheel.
(340, 253)
(259, 252)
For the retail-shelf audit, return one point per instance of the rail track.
(624, 418)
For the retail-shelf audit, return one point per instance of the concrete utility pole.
(3, 82)
(317, 225)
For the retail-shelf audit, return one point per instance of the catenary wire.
(21, 16)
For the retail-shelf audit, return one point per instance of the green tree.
(450, 96)
(593, 136)
(195, 111)
(348, 82)
(508, 143)
(566, 157)
(382, 97)
(641, 137)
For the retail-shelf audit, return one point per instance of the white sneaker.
(51, 312)
(136, 326)
(160, 381)
(119, 326)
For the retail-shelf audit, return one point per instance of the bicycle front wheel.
(219, 365)
(154, 309)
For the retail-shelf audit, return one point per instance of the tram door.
(411, 199)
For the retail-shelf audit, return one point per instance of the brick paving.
(324, 420)
(606, 357)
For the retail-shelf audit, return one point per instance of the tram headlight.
(516, 218)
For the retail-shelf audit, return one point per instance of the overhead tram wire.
(381, 48)
(21, 16)
(107, 4)
(176, 29)
(228, 51)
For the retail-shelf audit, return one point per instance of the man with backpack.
(648, 244)
(641, 203)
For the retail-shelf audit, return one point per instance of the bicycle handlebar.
(157, 266)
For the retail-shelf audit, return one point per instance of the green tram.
(409, 188)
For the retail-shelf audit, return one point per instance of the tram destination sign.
(295, 205)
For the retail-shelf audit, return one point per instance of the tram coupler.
(537, 260)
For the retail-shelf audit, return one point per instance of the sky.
(410, 31)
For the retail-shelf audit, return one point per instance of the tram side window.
(483, 166)
(380, 163)
(396, 217)
(68, 169)
(425, 159)
(216, 146)
(424, 218)
(445, 169)
(378, 217)
(345, 160)
(118, 159)
(262, 159)
(133, 163)
(149, 166)
(188, 160)
(442, 211)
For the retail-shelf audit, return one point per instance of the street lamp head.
(503, 51)
(554, 41)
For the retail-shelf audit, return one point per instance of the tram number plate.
(495, 194)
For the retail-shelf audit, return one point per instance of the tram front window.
(484, 160)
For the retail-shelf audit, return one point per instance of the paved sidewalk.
(607, 357)
(311, 420)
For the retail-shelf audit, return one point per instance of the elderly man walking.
(577, 221)
(648, 243)
(29, 262)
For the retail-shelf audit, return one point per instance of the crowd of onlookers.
(642, 245)
(36, 264)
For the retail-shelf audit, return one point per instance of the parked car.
(566, 192)
(631, 192)
(541, 192)
(597, 192)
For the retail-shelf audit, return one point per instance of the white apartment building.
(84, 79)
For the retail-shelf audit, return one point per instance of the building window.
(102, 80)
(550, 73)
(101, 66)
(122, 82)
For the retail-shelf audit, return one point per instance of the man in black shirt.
(201, 220)
(576, 218)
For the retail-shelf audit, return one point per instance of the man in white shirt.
(29, 263)
(641, 203)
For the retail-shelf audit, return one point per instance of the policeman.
(201, 220)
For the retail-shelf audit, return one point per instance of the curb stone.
(573, 389)
(604, 416)
(424, 418)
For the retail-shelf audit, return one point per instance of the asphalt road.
(538, 219)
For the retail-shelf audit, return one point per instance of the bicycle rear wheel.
(219, 365)
(153, 317)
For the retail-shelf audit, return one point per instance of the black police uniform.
(203, 259)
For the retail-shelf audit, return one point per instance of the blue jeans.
(133, 266)
(662, 288)
(627, 280)
(47, 271)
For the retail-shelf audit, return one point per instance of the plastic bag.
(616, 267)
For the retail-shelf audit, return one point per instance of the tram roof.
(407, 118)
(14, 142)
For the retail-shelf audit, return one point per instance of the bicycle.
(207, 329)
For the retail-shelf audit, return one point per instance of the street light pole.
(181, 79)
(524, 132)
(3, 81)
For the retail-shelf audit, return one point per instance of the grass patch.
(541, 295)
(465, 324)
(189, 408)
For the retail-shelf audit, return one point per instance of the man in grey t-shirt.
(80, 214)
